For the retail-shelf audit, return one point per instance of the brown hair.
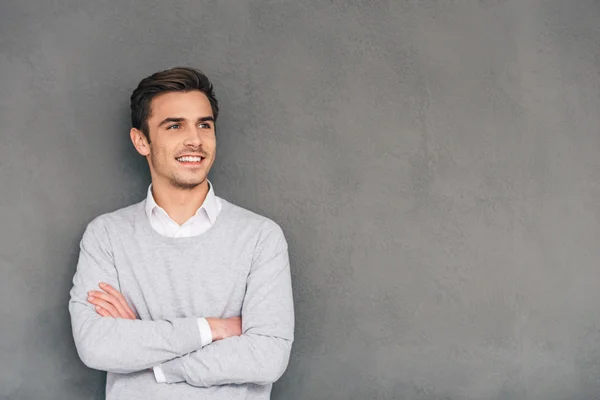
(178, 79)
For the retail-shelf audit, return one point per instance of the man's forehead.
(190, 105)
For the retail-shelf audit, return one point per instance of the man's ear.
(140, 142)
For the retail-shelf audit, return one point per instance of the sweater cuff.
(173, 370)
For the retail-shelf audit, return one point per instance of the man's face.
(182, 145)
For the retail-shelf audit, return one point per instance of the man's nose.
(193, 138)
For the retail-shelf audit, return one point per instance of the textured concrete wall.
(434, 164)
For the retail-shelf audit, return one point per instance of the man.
(183, 295)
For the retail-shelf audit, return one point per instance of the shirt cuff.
(159, 375)
(205, 332)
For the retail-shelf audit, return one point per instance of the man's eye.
(207, 126)
(174, 126)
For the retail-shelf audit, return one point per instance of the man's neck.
(179, 204)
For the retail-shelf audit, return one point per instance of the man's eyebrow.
(181, 119)
(171, 119)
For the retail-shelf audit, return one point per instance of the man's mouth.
(190, 159)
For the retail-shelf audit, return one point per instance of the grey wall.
(435, 166)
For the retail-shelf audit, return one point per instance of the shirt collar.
(210, 204)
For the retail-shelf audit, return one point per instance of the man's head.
(173, 114)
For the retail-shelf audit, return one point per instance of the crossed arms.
(122, 345)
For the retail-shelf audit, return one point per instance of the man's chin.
(187, 185)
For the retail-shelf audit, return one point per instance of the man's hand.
(110, 303)
(222, 328)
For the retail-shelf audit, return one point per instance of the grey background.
(435, 166)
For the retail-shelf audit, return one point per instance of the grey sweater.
(239, 267)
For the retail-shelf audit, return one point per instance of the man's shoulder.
(118, 218)
(249, 218)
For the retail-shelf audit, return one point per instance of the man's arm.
(116, 344)
(261, 354)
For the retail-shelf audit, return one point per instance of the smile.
(190, 159)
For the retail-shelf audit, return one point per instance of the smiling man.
(183, 295)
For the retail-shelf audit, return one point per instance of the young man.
(183, 295)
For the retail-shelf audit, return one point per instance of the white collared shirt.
(199, 223)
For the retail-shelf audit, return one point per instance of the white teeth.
(190, 159)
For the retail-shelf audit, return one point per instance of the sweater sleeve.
(116, 344)
(261, 354)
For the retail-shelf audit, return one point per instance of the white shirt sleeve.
(205, 332)
(159, 375)
(205, 338)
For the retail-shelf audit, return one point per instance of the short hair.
(177, 79)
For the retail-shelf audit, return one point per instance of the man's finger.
(109, 289)
(111, 300)
(119, 296)
(105, 305)
(102, 311)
